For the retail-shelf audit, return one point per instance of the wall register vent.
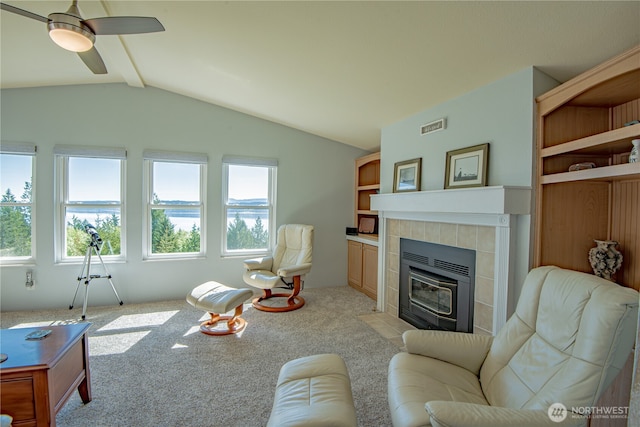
(439, 124)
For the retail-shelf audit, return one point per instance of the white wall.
(502, 114)
(315, 186)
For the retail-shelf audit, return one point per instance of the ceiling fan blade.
(92, 59)
(22, 12)
(113, 25)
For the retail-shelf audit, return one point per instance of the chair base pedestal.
(292, 303)
(234, 324)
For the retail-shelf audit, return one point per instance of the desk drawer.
(16, 398)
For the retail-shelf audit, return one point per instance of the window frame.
(272, 167)
(23, 149)
(149, 158)
(62, 155)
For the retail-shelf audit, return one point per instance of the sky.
(94, 179)
(15, 170)
(99, 179)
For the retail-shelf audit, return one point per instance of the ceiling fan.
(70, 31)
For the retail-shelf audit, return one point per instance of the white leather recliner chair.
(290, 261)
(569, 337)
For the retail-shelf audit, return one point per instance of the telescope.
(95, 237)
(85, 276)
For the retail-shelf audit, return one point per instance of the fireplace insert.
(436, 286)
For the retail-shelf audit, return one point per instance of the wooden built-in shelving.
(367, 179)
(363, 249)
(587, 120)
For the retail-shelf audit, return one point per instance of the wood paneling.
(625, 229)
(573, 215)
(570, 123)
(625, 113)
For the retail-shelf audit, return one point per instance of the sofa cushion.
(313, 391)
(415, 379)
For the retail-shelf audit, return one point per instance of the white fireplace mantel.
(478, 205)
(496, 206)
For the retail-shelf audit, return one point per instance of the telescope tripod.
(88, 277)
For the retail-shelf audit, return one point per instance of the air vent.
(439, 124)
(451, 267)
(415, 258)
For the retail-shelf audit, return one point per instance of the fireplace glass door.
(433, 293)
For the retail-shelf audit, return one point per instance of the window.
(90, 192)
(17, 203)
(175, 204)
(249, 205)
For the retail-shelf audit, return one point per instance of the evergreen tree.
(163, 235)
(260, 235)
(15, 227)
(192, 242)
(109, 231)
(238, 234)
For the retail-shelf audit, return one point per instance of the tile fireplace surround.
(480, 218)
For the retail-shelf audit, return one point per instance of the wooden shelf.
(366, 212)
(607, 173)
(612, 142)
(368, 187)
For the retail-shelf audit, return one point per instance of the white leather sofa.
(569, 337)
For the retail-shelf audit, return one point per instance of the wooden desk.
(40, 375)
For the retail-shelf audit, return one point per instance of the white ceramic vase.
(605, 259)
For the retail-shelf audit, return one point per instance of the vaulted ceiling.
(341, 70)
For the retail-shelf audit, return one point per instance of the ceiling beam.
(112, 48)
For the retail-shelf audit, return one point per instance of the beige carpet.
(151, 367)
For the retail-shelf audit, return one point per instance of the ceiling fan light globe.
(68, 32)
(70, 40)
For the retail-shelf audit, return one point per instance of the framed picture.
(467, 167)
(406, 175)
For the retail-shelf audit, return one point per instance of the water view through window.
(248, 207)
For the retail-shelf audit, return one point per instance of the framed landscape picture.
(406, 175)
(467, 167)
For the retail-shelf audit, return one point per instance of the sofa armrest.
(460, 414)
(294, 270)
(262, 263)
(465, 350)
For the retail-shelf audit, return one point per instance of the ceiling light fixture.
(71, 37)
(69, 32)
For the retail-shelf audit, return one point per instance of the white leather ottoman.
(313, 391)
(216, 299)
